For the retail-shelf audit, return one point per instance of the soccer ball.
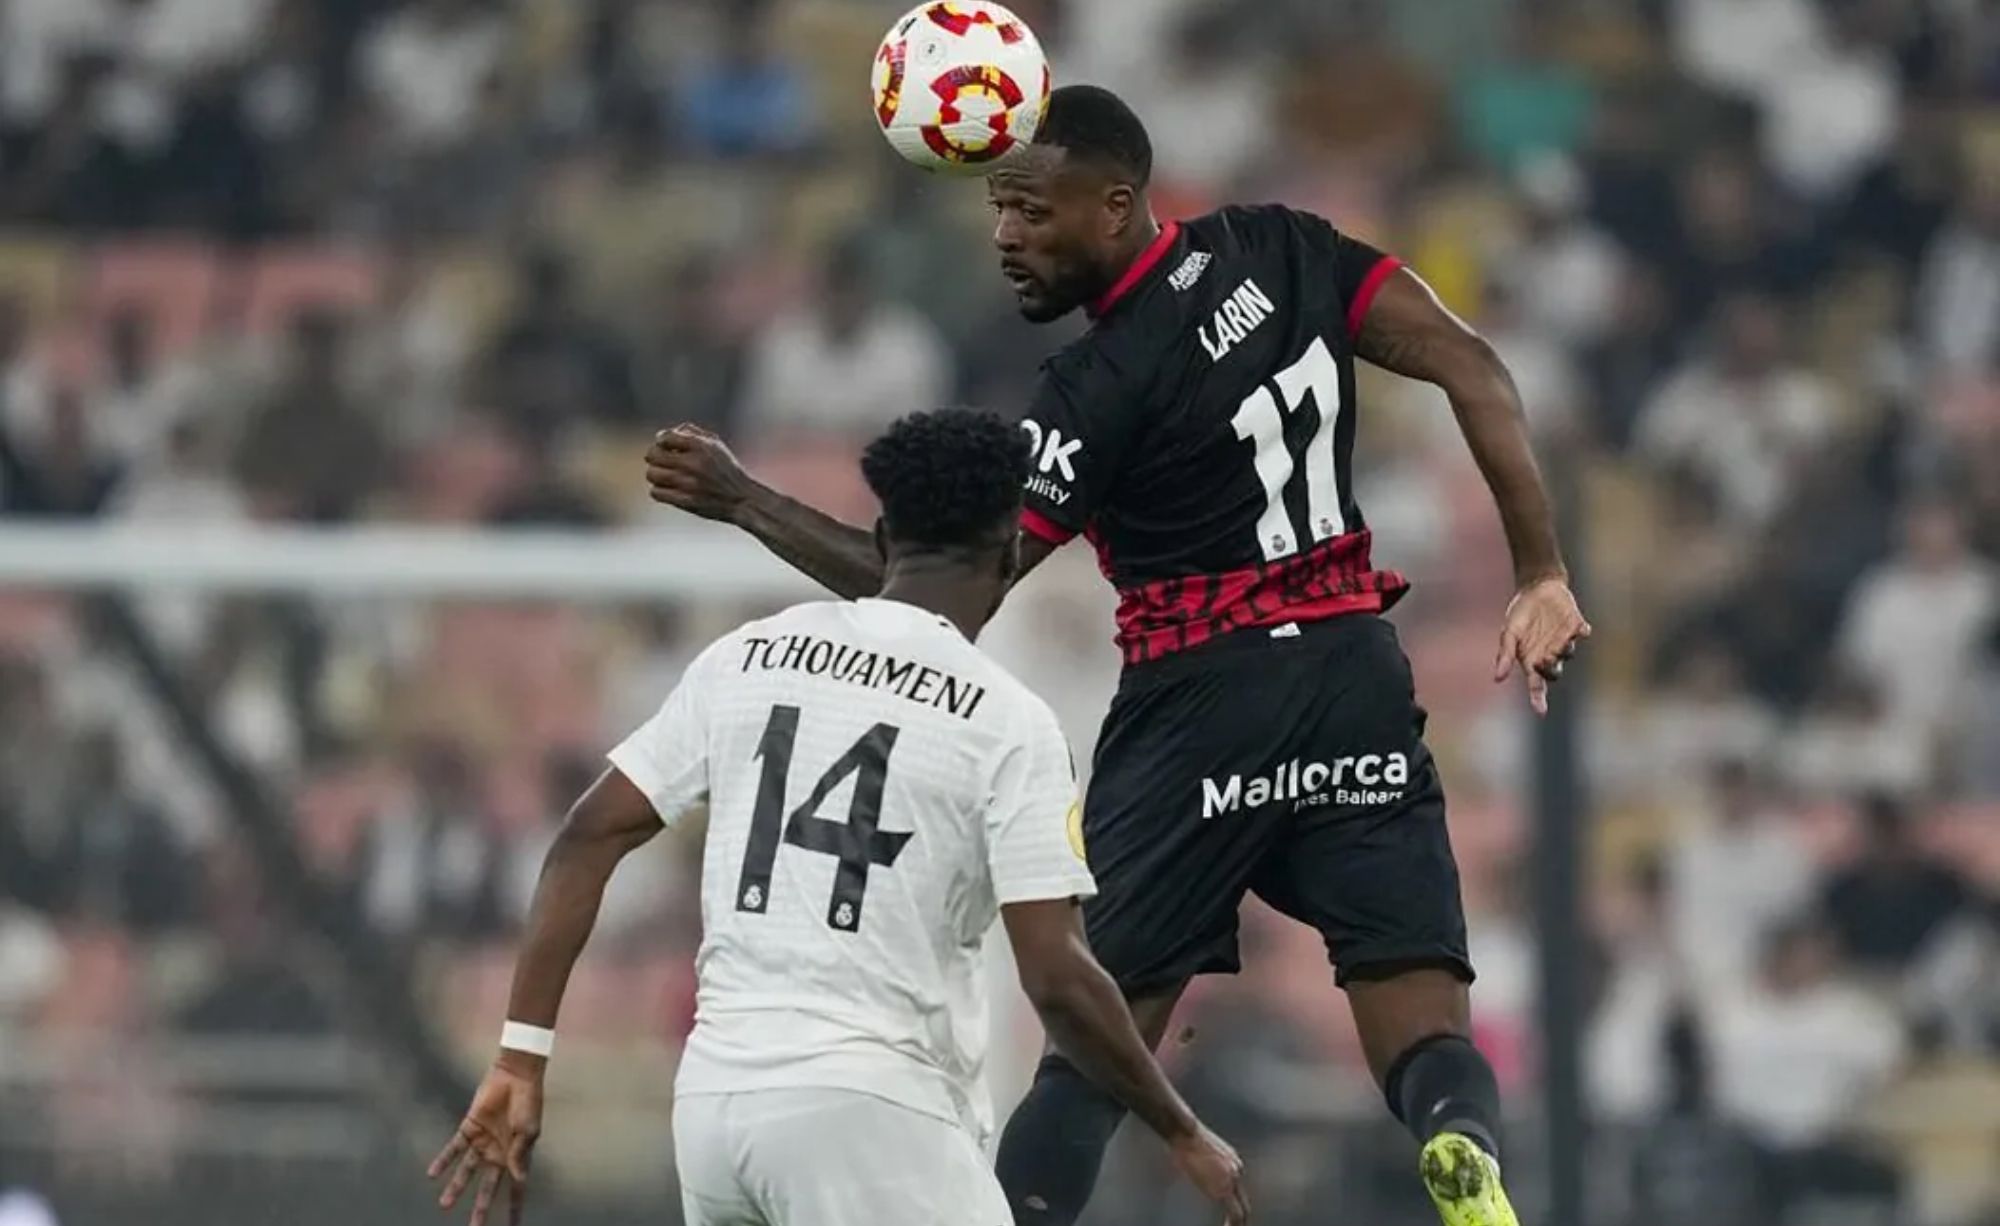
(960, 86)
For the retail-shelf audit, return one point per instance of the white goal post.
(692, 559)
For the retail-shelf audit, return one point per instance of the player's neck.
(1134, 245)
(941, 588)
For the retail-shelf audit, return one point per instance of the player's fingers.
(452, 1151)
(1503, 663)
(1538, 693)
(455, 1188)
(482, 1204)
(1239, 1205)
(519, 1156)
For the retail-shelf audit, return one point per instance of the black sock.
(1054, 1144)
(1443, 1084)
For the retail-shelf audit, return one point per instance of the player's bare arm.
(494, 1143)
(1408, 331)
(1087, 1018)
(690, 468)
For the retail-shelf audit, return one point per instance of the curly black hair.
(1095, 125)
(948, 479)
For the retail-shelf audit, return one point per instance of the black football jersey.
(1201, 434)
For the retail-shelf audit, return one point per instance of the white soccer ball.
(960, 86)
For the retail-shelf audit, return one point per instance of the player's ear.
(1120, 207)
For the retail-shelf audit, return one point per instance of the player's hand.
(495, 1142)
(1543, 629)
(1215, 1170)
(690, 468)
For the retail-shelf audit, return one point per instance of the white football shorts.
(825, 1157)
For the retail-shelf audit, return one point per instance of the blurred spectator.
(1735, 876)
(1528, 101)
(185, 484)
(1690, 1168)
(1848, 743)
(71, 473)
(1975, 746)
(1894, 897)
(1636, 347)
(136, 402)
(1913, 624)
(1644, 979)
(1705, 720)
(311, 451)
(1958, 297)
(1901, 202)
(552, 364)
(42, 37)
(692, 366)
(749, 100)
(1207, 111)
(430, 866)
(1795, 1057)
(1732, 237)
(427, 65)
(70, 169)
(1568, 272)
(1733, 45)
(120, 865)
(1830, 108)
(409, 350)
(1544, 371)
(1742, 415)
(845, 365)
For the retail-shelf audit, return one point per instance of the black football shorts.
(1288, 763)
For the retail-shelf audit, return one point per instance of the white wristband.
(535, 1040)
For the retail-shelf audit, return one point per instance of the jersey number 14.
(858, 843)
(1260, 423)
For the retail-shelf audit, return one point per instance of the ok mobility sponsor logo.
(1363, 779)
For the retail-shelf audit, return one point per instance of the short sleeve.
(1076, 436)
(666, 758)
(1034, 824)
(1359, 270)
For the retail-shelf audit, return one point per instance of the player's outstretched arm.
(495, 1141)
(1087, 1017)
(690, 468)
(1408, 331)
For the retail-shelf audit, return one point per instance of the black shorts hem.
(1390, 961)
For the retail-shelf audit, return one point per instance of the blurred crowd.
(452, 261)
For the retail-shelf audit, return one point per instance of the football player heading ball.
(1265, 735)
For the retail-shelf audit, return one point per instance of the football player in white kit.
(877, 791)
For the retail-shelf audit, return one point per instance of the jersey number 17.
(858, 842)
(1260, 422)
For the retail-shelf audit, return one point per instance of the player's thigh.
(1367, 860)
(1171, 873)
(707, 1150)
(824, 1157)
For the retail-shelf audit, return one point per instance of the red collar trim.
(1152, 255)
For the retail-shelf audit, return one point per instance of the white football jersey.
(877, 788)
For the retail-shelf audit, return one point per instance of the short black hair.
(948, 479)
(1093, 123)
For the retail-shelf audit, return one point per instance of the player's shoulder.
(1238, 230)
(807, 617)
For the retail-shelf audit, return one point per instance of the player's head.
(950, 487)
(1071, 208)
